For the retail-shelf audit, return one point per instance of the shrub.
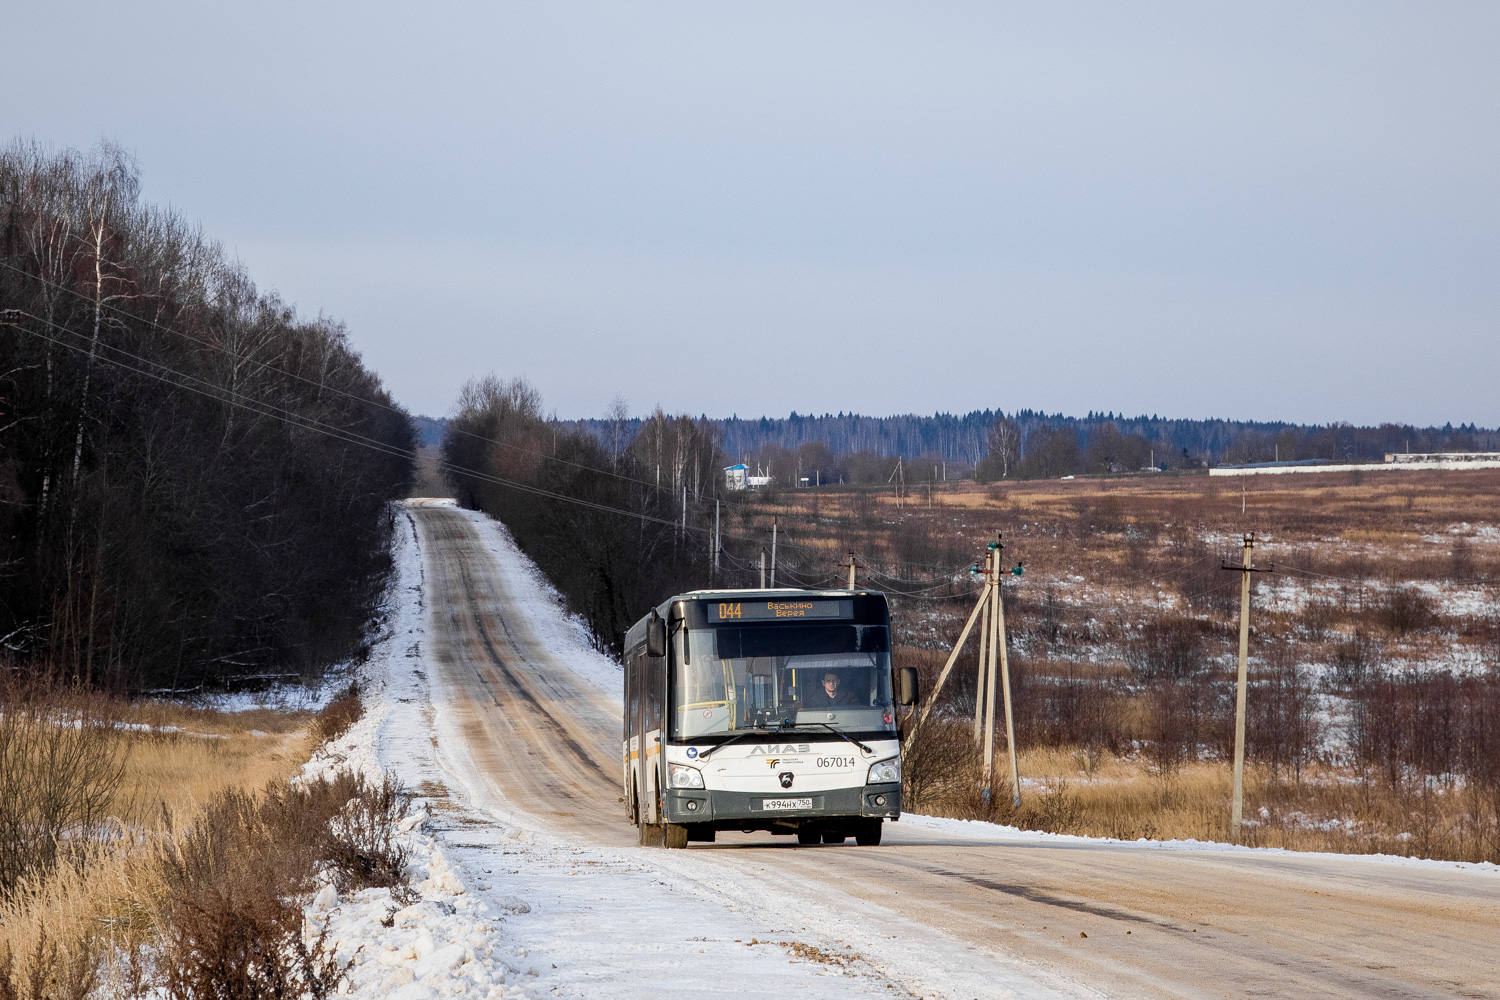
(1171, 646)
(231, 917)
(1354, 658)
(940, 764)
(364, 850)
(1406, 609)
(338, 715)
(1174, 722)
(61, 759)
(1282, 728)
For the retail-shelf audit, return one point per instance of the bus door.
(632, 740)
(652, 717)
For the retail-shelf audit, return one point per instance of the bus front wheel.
(674, 836)
(867, 833)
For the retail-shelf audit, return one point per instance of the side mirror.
(656, 636)
(907, 686)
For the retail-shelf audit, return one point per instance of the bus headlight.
(885, 772)
(682, 776)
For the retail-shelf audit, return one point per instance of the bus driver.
(829, 695)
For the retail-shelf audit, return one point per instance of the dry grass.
(103, 900)
(181, 771)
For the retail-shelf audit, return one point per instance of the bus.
(763, 710)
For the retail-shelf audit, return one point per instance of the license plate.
(786, 803)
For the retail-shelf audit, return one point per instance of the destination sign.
(746, 611)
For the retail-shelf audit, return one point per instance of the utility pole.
(773, 553)
(762, 567)
(1245, 568)
(992, 618)
(984, 645)
(1010, 723)
(717, 541)
(851, 570)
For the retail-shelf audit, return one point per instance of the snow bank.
(980, 830)
(444, 944)
(447, 942)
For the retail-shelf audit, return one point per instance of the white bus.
(765, 710)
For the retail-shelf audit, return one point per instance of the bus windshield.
(736, 677)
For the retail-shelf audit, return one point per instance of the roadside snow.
(977, 829)
(448, 942)
(282, 696)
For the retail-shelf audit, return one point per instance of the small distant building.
(737, 477)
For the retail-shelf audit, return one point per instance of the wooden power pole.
(1245, 568)
(1010, 722)
(997, 651)
(984, 667)
(992, 617)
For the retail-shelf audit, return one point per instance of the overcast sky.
(1281, 211)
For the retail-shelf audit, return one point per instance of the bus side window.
(654, 678)
(632, 692)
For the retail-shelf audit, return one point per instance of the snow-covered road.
(488, 701)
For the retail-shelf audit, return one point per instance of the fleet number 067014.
(835, 761)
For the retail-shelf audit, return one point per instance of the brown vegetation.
(204, 857)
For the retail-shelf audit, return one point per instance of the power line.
(265, 409)
(221, 394)
(322, 387)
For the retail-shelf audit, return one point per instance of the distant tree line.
(195, 484)
(860, 449)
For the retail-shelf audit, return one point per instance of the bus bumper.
(745, 810)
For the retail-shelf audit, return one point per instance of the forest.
(195, 482)
(616, 526)
(1029, 444)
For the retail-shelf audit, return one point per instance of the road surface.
(1114, 918)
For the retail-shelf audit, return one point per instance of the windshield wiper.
(835, 731)
(735, 739)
